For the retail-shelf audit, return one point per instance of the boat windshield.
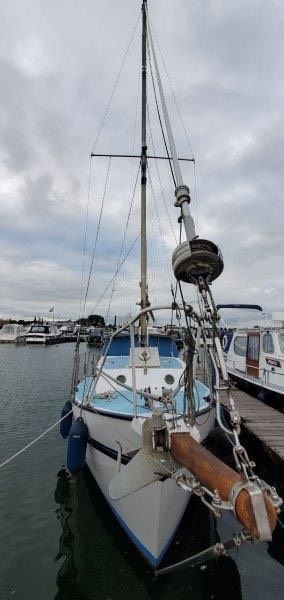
(40, 329)
(120, 346)
(8, 329)
(281, 342)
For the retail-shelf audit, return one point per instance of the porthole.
(169, 379)
(121, 378)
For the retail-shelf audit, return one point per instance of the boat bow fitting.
(252, 503)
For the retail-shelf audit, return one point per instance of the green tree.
(96, 320)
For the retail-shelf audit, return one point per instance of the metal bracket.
(215, 551)
(258, 505)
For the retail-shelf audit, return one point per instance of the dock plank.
(264, 422)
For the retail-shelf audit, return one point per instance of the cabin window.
(8, 329)
(169, 379)
(240, 345)
(39, 329)
(281, 342)
(268, 343)
(253, 347)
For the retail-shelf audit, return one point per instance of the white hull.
(44, 339)
(271, 383)
(151, 515)
(33, 340)
(12, 340)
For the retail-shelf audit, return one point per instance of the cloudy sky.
(59, 61)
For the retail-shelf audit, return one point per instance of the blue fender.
(65, 425)
(77, 446)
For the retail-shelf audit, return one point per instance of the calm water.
(58, 539)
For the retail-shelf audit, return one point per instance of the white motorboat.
(255, 357)
(12, 333)
(141, 418)
(43, 333)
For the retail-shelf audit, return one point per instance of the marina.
(142, 439)
(52, 527)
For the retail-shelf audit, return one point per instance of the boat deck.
(264, 422)
(119, 401)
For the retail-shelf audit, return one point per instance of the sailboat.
(141, 419)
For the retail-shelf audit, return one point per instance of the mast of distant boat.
(144, 302)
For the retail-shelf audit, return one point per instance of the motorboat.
(12, 332)
(43, 333)
(95, 337)
(255, 357)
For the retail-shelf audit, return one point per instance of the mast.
(144, 292)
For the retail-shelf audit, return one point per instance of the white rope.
(34, 441)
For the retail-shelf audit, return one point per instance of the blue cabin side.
(120, 346)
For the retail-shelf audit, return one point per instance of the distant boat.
(12, 333)
(43, 333)
(255, 357)
(95, 337)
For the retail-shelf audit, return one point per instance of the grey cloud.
(58, 65)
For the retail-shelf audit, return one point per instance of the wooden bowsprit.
(254, 505)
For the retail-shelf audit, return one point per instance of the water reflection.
(99, 562)
(65, 496)
(276, 548)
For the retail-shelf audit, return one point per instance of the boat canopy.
(248, 306)
(120, 346)
(10, 328)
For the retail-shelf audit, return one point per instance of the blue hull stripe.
(108, 451)
(151, 559)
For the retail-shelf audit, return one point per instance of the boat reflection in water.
(100, 562)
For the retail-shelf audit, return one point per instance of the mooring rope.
(34, 441)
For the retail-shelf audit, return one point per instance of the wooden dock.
(259, 419)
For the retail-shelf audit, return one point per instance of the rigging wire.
(115, 85)
(159, 177)
(117, 271)
(85, 236)
(132, 193)
(123, 395)
(125, 231)
(170, 84)
(180, 116)
(90, 167)
(97, 235)
(159, 115)
(161, 228)
(196, 196)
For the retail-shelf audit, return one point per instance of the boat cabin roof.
(120, 345)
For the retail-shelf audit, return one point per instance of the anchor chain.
(209, 314)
